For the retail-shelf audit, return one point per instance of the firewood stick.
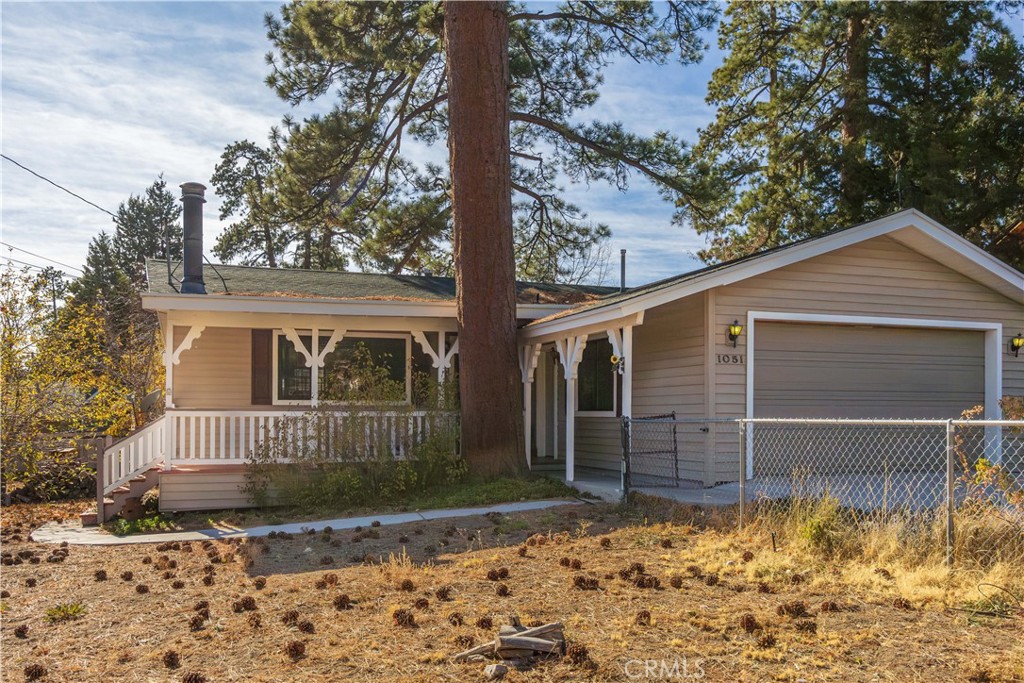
(489, 646)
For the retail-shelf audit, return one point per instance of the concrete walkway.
(57, 532)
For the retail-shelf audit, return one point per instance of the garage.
(809, 370)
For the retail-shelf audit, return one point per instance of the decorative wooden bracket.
(296, 341)
(570, 352)
(193, 333)
(528, 356)
(451, 353)
(435, 358)
(332, 343)
(615, 337)
(422, 340)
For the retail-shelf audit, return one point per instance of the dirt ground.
(725, 606)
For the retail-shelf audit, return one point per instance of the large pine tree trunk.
(476, 44)
(853, 169)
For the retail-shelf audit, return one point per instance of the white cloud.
(101, 97)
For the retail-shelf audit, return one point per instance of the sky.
(103, 97)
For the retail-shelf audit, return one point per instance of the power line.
(37, 267)
(45, 258)
(34, 266)
(59, 187)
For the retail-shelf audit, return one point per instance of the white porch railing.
(226, 437)
(131, 456)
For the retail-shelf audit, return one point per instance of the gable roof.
(253, 281)
(910, 227)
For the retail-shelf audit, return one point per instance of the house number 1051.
(730, 359)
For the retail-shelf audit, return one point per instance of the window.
(355, 363)
(596, 386)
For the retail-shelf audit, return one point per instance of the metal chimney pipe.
(193, 198)
(622, 270)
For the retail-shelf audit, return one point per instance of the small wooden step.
(88, 518)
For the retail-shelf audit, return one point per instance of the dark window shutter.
(262, 367)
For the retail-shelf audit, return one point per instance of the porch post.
(626, 400)
(528, 421)
(442, 367)
(314, 370)
(541, 384)
(570, 350)
(570, 429)
(168, 365)
(528, 356)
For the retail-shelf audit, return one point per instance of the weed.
(65, 611)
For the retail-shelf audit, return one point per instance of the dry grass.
(840, 621)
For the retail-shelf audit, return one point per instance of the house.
(898, 317)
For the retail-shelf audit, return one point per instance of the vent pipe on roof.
(622, 270)
(193, 198)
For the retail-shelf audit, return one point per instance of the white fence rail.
(215, 437)
(131, 456)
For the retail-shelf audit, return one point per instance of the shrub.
(822, 527)
(58, 477)
(346, 457)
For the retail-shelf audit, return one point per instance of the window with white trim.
(389, 355)
(596, 385)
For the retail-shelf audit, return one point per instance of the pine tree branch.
(572, 136)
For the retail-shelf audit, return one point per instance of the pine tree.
(240, 180)
(145, 226)
(392, 75)
(103, 279)
(830, 114)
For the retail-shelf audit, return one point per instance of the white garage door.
(836, 371)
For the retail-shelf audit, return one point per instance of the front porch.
(198, 457)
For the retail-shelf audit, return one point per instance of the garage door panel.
(811, 370)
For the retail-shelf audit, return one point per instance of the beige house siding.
(668, 360)
(599, 442)
(879, 277)
(677, 348)
(668, 376)
(214, 490)
(216, 372)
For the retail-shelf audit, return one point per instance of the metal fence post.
(743, 472)
(624, 473)
(950, 502)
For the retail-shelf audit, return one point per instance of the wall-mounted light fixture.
(1017, 343)
(735, 330)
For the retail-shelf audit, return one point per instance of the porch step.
(547, 465)
(116, 500)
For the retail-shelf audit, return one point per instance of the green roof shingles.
(294, 282)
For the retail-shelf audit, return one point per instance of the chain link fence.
(955, 486)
